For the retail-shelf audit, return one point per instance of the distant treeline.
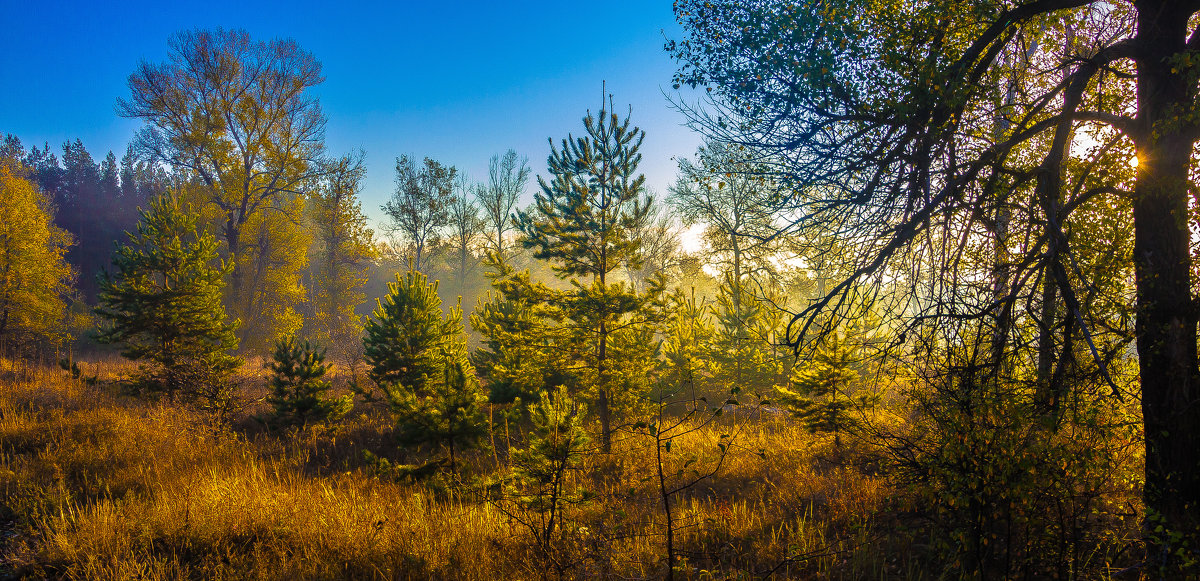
(96, 202)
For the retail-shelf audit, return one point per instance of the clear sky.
(456, 81)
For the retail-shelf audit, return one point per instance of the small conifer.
(299, 387)
(825, 397)
(418, 356)
(557, 445)
(450, 414)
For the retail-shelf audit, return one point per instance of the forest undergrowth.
(98, 485)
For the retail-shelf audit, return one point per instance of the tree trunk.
(1166, 320)
(602, 402)
(233, 244)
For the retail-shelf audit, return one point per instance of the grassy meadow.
(99, 485)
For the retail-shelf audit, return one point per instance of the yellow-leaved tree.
(34, 274)
(342, 252)
(238, 117)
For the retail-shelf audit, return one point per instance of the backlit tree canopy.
(979, 151)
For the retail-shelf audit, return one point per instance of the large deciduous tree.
(239, 115)
(998, 131)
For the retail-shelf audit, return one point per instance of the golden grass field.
(97, 485)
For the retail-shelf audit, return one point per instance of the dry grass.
(96, 485)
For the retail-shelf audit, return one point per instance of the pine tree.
(557, 445)
(418, 356)
(163, 303)
(449, 414)
(687, 346)
(299, 387)
(825, 395)
(407, 333)
(526, 350)
(746, 345)
(583, 222)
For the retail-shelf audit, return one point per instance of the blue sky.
(454, 81)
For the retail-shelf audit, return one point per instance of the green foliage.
(525, 348)
(407, 335)
(748, 348)
(687, 345)
(450, 413)
(584, 215)
(163, 303)
(827, 394)
(556, 446)
(299, 387)
(583, 222)
(419, 357)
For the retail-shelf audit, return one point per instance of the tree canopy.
(1005, 127)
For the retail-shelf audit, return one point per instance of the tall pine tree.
(582, 222)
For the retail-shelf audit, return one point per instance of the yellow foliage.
(34, 275)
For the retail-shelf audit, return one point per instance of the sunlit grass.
(96, 485)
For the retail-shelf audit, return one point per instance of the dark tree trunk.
(1166, 320)
(602, 402)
